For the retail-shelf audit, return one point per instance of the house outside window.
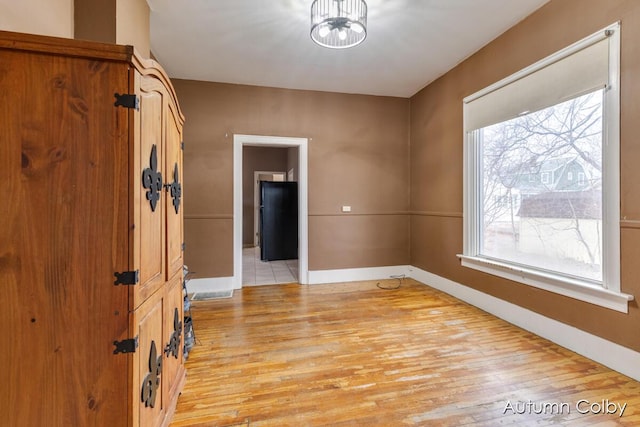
(545, 177)
(562, 234)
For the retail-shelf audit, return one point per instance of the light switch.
(346, 209)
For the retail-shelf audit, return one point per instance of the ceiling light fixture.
(338, 24)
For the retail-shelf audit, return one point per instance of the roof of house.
(569, 205)
(531, 182)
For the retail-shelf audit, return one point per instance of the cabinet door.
(149, 182)
(148, 369)
(173, 369)
(63, 233)
(174, 200)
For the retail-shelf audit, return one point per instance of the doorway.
(241, 141)
(270, 252)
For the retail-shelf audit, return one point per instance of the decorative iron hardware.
(182, 145)
(151, 382)
(127, 278)
(175, 188)
(152, 179)
(127, 101)
(184, 245)
(126, 346)
(173, 347)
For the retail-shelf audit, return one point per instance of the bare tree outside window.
(534, 212)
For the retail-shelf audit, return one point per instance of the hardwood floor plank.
(356, 355)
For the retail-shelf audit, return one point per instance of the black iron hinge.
(126, 346)
(127, 278)
(127, 101)
(182, 145)
(183, 246)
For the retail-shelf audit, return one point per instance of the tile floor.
(257, 272)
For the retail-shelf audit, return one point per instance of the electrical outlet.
(346, 209)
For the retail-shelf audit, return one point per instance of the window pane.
(534, 211)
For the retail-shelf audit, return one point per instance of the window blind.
(576, 70)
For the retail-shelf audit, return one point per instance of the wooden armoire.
(91, 235)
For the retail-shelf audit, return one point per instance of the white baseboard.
(615, 356)
(356, 274)
(210, 284)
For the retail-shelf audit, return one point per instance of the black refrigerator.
(278, 220)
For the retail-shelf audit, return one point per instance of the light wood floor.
(355, 355)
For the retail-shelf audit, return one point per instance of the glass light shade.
(324, 31)
(347, 17)
(357, 27)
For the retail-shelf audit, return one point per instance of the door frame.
(239, 141)
(256, 201)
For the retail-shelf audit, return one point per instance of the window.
(558, 226)
(525, 137)
(545, 177)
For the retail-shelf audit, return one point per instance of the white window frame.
(607, 294)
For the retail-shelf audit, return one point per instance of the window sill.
(573, 288)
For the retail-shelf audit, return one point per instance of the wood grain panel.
(151, 224)
(173, 165)
(147, 402)
(356, 355)
(72, 169)
(61, 46)
(63, 233)
(173, 371)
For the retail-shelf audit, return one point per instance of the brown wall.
(132, 25)
(436, 159)
(358, 156)
(95, 20)
(269, 159)
(47, 17)
(114, 21)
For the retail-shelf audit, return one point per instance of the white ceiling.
(409, 43)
